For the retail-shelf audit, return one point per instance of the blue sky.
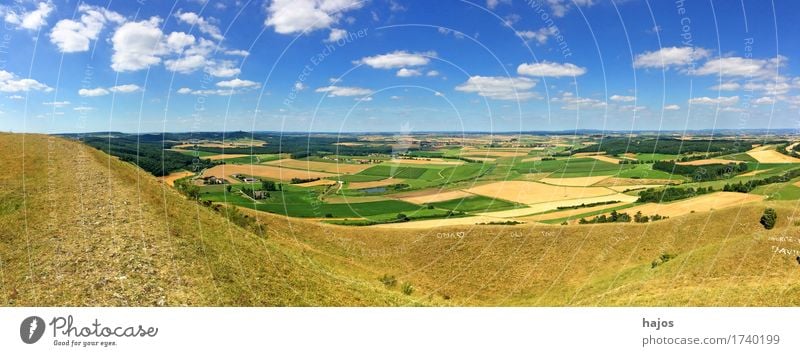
(391, 65)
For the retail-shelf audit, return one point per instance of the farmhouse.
(213, 180)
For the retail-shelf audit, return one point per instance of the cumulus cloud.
(137, 45)
(126, 88)
(729, 86)
(670, 57)
(623, 98)
(741, 67)
(336, 34)
(205, 26)
(334, 91)
(561, 7)
(237, 52)
(74, 36)
(721, 101)
(398, 59)
(237, 84)
(405, 72)
(572, 102)
(500, 88)
(30, 20)
(56, 104)
(207, 92)
(224, 69)
(432, 73)
(93, 92)
(550, 69)
(10, 83)
(301, 16)
(541, 35)
(764, 101)
(672, 107)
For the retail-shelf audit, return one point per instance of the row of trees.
(621, 145)
(652, 195)
(621, 217)
(702, 173)
(745, 187)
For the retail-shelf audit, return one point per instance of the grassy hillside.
(81, 228)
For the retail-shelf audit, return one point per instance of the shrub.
(769, 218)
(407, 288)
(388, 281)
(664, 258)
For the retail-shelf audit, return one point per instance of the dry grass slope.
(87, 229)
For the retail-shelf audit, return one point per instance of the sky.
(398, 66)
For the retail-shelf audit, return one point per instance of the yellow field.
(702, 162)
(534, 192)
(223, 156)
(377, 183)
(172, 177)
(432, 196)
(752, 173)
(332, 167)
(317, 183)
(553, 205)
(606, 159)
(482, 159)
(428, 224)
(589, 154)
(272, 172)
(489, 152)
(574, 182)
(612, 182)
(703, 203)
(568, 213)
(765, 155)
(436, 161)
(622, 188)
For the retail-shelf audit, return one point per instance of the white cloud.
(405, 73)
(334, 91)
(74, 36)
(205, 26)
(16, 97)
(184, 91)
(447, 31)
(9, 83)
(57, 104)
(500, 88)
(493, 3)
(550, 69)
(561, 7)
(670, 57)
(721, 101)
(298, 16)
(237, 52)
(93, 92)
(83, 108)
(137, 45)
(729, 86)
(398, 59)
(125, 88)
(30, 20)
(572, 102)
(741, 67)
(336, 34)
(768, 87)
(632, 108)
(207, 92)
(298, 86)
(432, 73)
(672, 107)
(178, 41)
(623, 98)
(237, 83)
(541, 35)
(186, 64)
(223, 69)
(764, 101)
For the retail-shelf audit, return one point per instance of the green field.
(571, 167)
(476, 203)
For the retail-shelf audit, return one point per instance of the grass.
(476, 203)
(568, 168)
(655, 157)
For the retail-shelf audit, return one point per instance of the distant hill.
(78, 227)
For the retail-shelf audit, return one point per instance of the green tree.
(769, 218)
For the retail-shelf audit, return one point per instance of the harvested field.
(373, 184)
(317, 183)
(428, 224)
(568, 213)
(172, 177)
(271, 172)
(622, 188)
(606, 159)
(224, 156)
(495, 152)
(702, 162)
(574, 182)
(589, 154)
(543, 207)
(432, 196)
(332, 167)
(752, 173)
(706, 202)
(437, 161)
(534, 192)
(531, 159)
(349, 144)
(765, 155)
(614, 182)
(482, 159)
